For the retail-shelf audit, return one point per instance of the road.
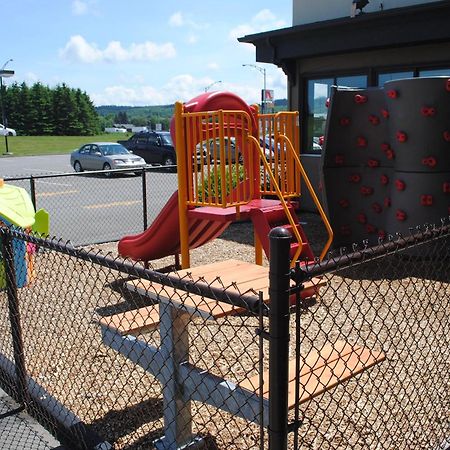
(89, 209)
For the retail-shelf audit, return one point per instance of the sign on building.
(267, 98)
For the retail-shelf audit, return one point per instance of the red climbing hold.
(385, 147)
(446, 135)
(387, 202)
(384, 179)
(400, 185)
(401, 136)
(370, 228)
(390, 154)
(366, 190)
(392, 93)
(385, 113)
(382, 234)
(327, 102)
(400, 215)
(354, 178)
(344, 121)
(426, 200)
(362, 218)
(374, 120)
(429, 161)
(447, 85)
(373, 163)
(360, 99)
(446, 187)
(361, 142)
(428, 111)
(344, 203)
(377, 207)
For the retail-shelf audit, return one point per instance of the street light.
(211, 85)
(5, 74)
(263, 71)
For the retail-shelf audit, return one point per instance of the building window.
(435, 73)
(389, 76)
(318, 91)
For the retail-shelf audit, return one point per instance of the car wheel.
(107, 167)
(10, 134)
(169, 161)
(77, 166)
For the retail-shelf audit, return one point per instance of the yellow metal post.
(181, 150)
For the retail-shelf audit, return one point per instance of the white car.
(4, 131)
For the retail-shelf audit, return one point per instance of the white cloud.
(79, 7)
(176, 20)
(31, 78)
(192, 39)
(264, 20)
(179, 19)
(79, 50)
(183, 88)
(213, 66)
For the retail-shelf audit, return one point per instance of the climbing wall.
(357, 165)
(419, 130)
(386, 158)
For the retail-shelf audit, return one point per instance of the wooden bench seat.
(321, 370)
(146, 319)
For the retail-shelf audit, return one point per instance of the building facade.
(333, 43)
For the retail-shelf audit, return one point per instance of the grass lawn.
(52, 145)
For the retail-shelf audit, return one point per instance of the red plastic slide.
(162, 238)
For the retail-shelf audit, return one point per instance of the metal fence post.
(279, 277)
(144, 198)
(14, 316)
(33, 191)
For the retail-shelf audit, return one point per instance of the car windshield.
(113, 149)
(166, 139)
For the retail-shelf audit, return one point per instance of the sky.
(142, 52)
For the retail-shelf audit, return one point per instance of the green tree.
(121, 117)
(41, 110)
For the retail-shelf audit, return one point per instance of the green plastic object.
(41, 222)
(16, 206)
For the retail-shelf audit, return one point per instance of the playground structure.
(16, 209)
(261, 182)
(216, 188)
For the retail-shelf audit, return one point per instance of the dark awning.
(407, 26)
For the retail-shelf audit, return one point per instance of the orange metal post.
(182, 185)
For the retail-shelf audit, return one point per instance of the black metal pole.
(279, 278)
(33, 191)
(4, 115)
(14, 316)
(144, 198)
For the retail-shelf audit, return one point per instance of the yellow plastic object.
(16, 206)
(42, 222)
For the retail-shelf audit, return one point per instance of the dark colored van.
(156, 147)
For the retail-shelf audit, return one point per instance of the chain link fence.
(352, 352)
(90, 208)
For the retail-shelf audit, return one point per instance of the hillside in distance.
(165, 111)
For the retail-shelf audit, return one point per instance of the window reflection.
(435, 73)
(318, 93)
(384, 77)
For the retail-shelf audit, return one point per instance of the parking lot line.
(108, 205)
(53, 194)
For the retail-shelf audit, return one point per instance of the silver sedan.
(105, 156)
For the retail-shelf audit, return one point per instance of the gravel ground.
(391, 305)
